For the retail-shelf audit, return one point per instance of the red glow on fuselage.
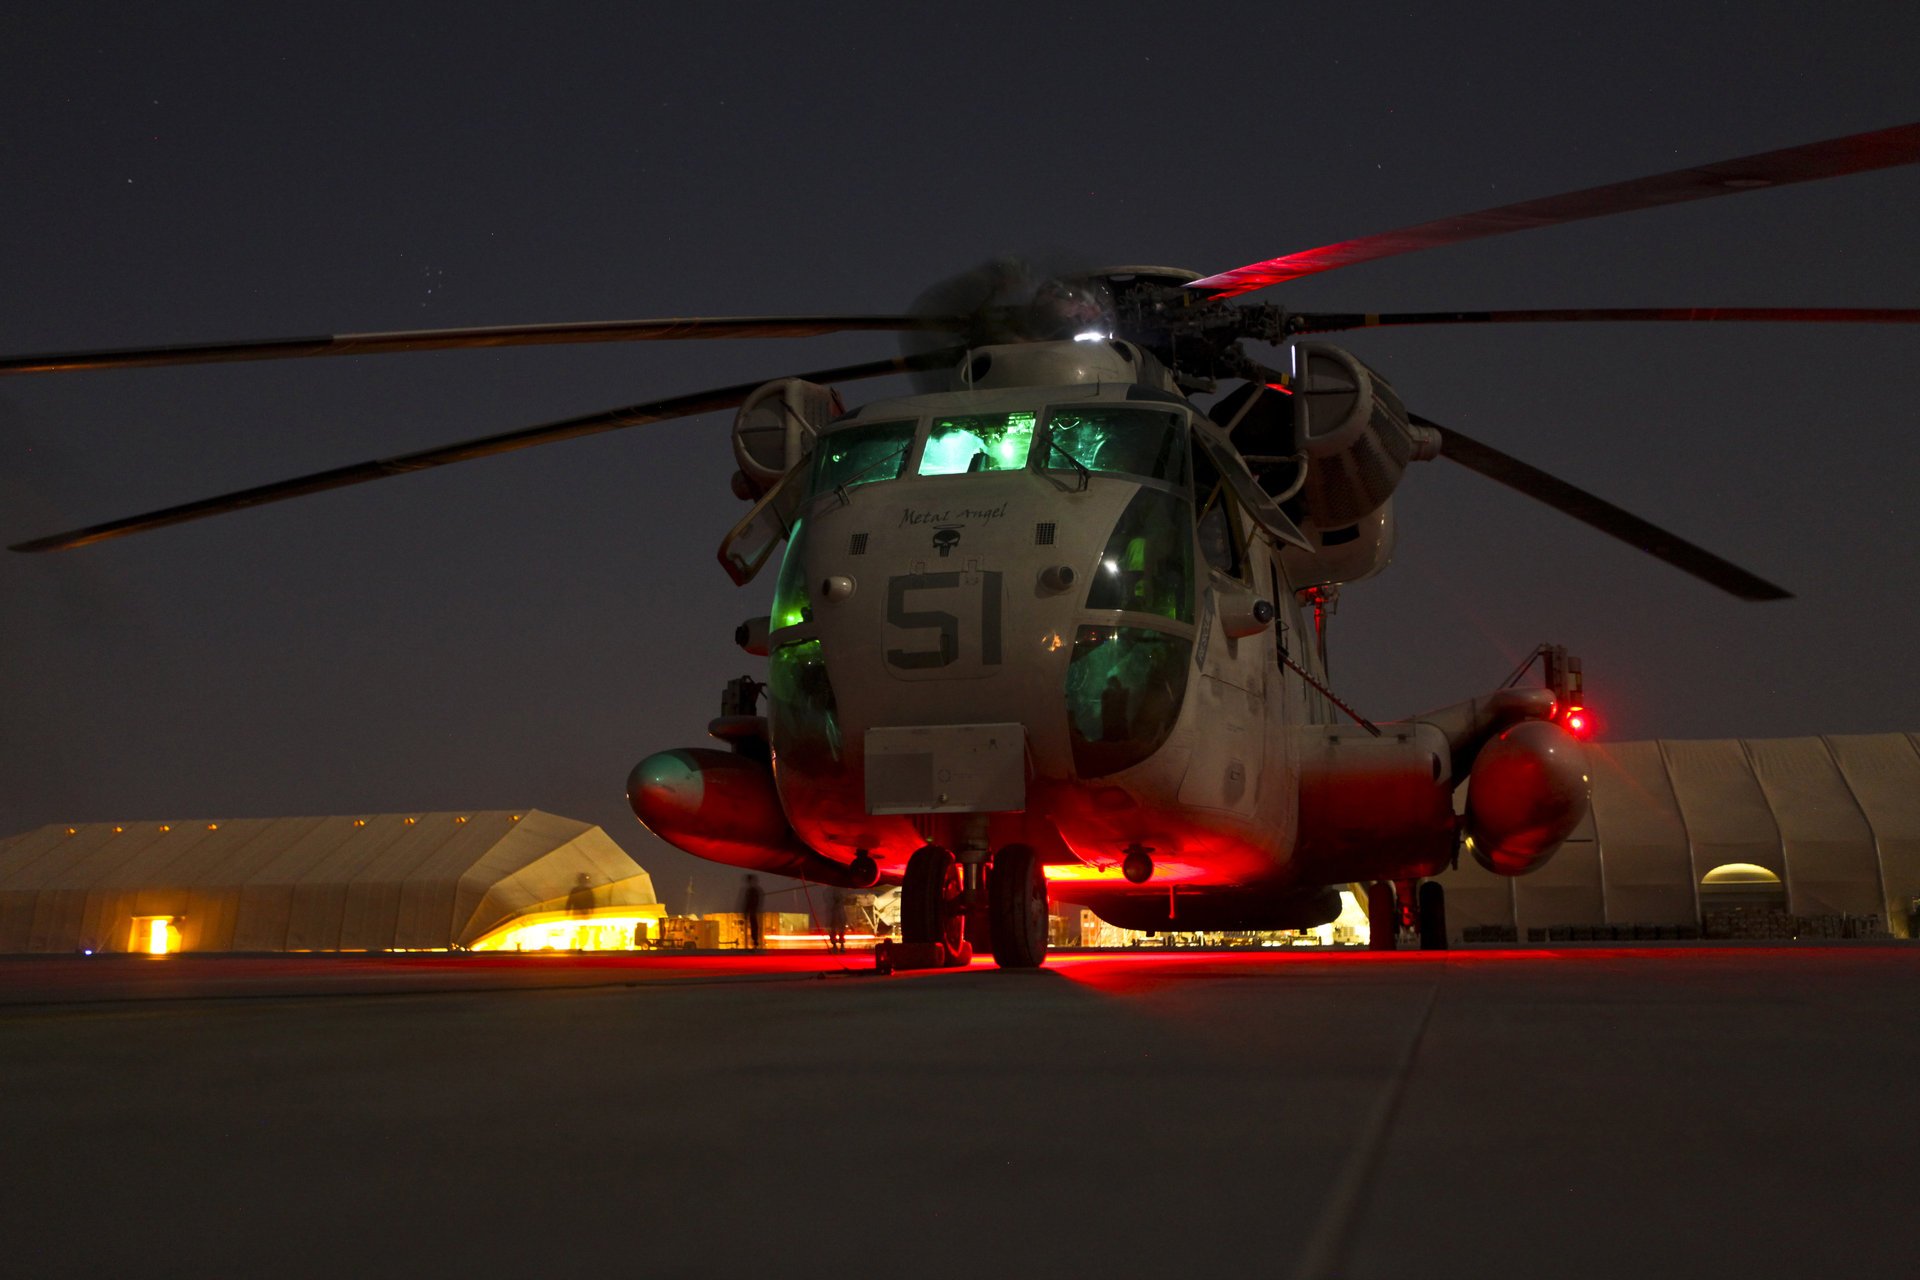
(1164, 873)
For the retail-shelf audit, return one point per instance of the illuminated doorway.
(1741, 886)
(155, 935)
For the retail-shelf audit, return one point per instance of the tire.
(1017, 905)
(929, 899)
(1433, 916)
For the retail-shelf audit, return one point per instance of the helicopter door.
(1246, 490)
(748, 545)
(773, 437)
(1230, 695)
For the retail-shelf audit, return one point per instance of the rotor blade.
(510, 335)
(1602, 515)
(1330, 322)
(1856, 153)
(684, 406)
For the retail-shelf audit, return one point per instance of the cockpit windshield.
(1130, 440)
(978, 442)
(864, 453)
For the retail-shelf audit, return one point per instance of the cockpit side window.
(1218, 521)
(978, 442)
(866, 453)
(1150, 443)
(1147, 566)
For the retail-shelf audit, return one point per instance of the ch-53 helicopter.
(1049, 622)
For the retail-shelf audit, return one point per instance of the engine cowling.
(724, 807)
(1356, 435)
(775, 428)
(1525, 795)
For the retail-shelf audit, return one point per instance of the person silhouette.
(837, 921)
(750, 899)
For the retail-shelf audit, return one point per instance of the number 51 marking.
(949, 626)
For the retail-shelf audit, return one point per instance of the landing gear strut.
(1416, 906)
(1383, 918)
(1433, 916)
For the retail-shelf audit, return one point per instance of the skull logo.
(945, 539)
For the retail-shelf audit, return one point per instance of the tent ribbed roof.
(378, 881)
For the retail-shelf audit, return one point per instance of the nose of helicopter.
(996, 598)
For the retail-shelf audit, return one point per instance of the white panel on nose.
(957, 768)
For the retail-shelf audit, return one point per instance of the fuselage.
(1059, 614)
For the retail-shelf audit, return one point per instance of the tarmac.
(1600, 1111)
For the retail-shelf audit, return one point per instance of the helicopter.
(1048, 626)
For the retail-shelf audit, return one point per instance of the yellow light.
(601, 929)
(213, 826)
(118, 830)
(1080, 871)
(458, 821)
(155, 935)
(165, 827)
(1739, 873)
(72, 831)
(409, 821)
(516, 817)
(359, 822)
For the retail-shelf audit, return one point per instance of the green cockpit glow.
(805, 718)
(1128, 440)
(981, 442)
(866, 453)
(792, 604)
(1147, 566)
(1124, 688)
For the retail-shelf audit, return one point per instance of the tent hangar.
(431, 881)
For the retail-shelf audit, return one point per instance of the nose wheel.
(934, 910)
(933, 903)
(1017, 908)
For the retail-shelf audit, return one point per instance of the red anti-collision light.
(1578, 721)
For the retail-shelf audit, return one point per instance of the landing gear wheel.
(1383, 918)
(1017, 905)
(930, 905)
(1433, 916)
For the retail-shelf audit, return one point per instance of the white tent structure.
(1835, 821)
(425, 881)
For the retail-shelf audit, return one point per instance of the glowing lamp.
(1578, 721)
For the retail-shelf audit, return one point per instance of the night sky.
(517, 632)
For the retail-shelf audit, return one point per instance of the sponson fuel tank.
(723, 806)
(1527, 792)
